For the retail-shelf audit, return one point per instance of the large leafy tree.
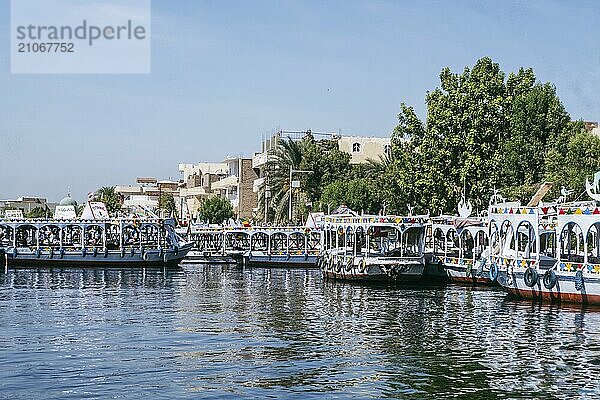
(110, 198)
(483, 130)
(215, 210)
(359, 194)
(578, 160)
(166, 202)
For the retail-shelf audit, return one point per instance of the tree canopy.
(110, 198)
(215, 210)
(484, 129)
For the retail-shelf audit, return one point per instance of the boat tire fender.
(579, 280)
(530, 277)
(493, 272)
(550, 279)
(363, 265)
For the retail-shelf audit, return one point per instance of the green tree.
(110, 198)
(483, 131)
(286, 155)
(167, 202)
(578, 161)
(37, 212)
(358, 194)
(215, 210)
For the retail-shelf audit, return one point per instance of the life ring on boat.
(550, 279)
(579, 280)
(145, 256)
(493, 274)
(530, 277)
(362, 265)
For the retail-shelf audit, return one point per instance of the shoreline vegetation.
(484, 130)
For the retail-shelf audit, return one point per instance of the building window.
(387, 149)
(356, 147)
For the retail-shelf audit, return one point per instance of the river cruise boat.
(373, 248)
(95, 241)
(457, 247)
(549, 252)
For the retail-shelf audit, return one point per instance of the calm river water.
(221, 332)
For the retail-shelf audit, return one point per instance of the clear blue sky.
(225, 72)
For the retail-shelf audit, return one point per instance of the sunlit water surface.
(218, 331)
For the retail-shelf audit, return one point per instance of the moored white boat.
(373, 248)
(549, 252)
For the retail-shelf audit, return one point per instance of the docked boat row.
(96, 240)
(544, 251)
(258, 246)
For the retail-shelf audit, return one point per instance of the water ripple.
(220, 332)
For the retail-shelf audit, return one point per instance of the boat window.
(593, 243)
(571, 243)
(412, 241)
(467, 244)
(72, 236)
(548, 243)
(260, 241)
(439, 242)
(494, 239)
(507, 240)
(526, 240)
(296, 241)
(131, 236)
(50, 236)
(241, 241)
(452, 244)
(481, 244)
(6, 236)
(26, 236)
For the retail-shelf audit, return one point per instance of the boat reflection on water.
(284, 333)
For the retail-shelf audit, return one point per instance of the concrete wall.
(368, 147)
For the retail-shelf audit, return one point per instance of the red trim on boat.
(555, 296)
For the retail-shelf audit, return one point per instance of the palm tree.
(110, 198)
(288, 153)
(375, 168)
